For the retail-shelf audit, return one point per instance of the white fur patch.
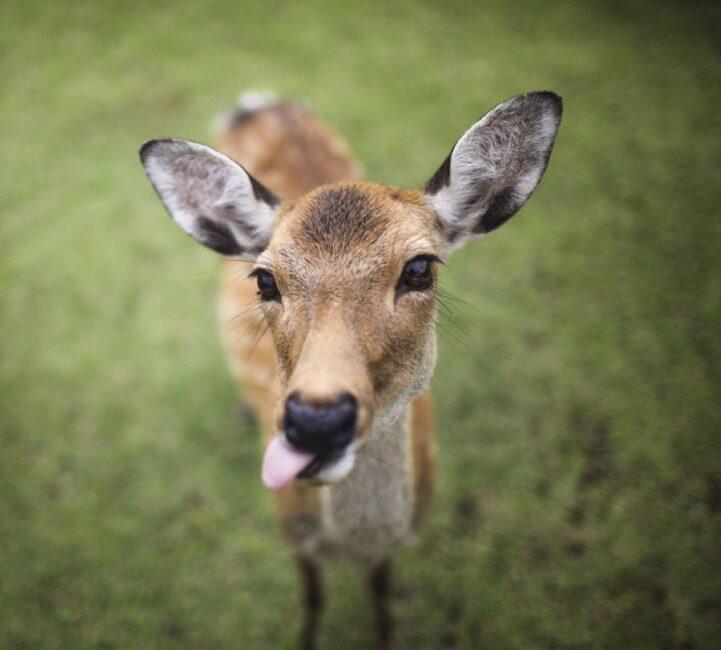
(254, 100)
(248, 102)
(339, 469)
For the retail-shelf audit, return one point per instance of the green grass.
(579, 503)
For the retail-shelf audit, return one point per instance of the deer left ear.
(211, 197)
(495, 166)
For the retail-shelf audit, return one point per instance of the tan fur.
(291, 152)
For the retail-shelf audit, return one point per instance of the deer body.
(291, 152)
(332, 336)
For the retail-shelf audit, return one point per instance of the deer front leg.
(379, 582)
(312, 586)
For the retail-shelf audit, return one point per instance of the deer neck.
(369, 512)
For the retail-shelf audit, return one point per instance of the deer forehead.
(350, 231)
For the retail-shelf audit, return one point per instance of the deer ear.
(210, 196)
(495, 166)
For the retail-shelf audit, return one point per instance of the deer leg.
(379, 582)
(312, 586)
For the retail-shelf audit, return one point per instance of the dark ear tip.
(148, 147)
(550, 99)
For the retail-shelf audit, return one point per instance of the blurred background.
(577, 391)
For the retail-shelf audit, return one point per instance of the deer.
(335, 280)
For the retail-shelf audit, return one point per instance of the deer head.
(347, 273)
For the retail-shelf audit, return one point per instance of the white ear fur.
(210, 196)
(495, 166)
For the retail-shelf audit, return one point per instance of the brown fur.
(320, 242)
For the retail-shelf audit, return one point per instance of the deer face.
(347, 286)
(346, 274)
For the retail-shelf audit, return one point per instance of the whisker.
(447, 294)
(234, 276)
(447, 332)
(257, 340)
(250, 323)
(251, 309)
(448, 313)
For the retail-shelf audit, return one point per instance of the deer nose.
(320, 427)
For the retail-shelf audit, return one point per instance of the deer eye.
(267, 288)
(417, 274)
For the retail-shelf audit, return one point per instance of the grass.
(579, 504)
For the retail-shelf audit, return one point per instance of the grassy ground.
(580, 496)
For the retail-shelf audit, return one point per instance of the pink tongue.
(282, 463)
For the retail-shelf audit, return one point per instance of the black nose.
(320, 428)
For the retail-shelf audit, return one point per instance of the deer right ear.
(495, 166)
(211, 197)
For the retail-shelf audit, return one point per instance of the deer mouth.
(317, 464)
(328, 468)
(282, 463)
